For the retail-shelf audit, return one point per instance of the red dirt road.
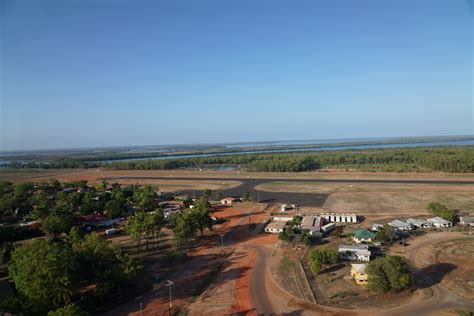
(228, 293)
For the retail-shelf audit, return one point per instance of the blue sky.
(111, 73)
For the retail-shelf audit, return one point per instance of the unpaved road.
(443, 299)
(257, 287)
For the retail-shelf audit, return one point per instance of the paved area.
(302, 199)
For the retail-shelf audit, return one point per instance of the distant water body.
(328, 148)
(377, 143)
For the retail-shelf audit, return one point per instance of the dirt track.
(443, 299)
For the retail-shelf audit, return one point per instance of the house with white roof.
(376, 227)
(400, 225)
(466, 220)
(354, 252)
(439, 222)
(419, 223)
(275, 227)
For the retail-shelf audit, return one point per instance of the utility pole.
(169, 284)
(222, 244)
(141, 309)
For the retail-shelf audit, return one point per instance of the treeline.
(419, 159)
(445, 159)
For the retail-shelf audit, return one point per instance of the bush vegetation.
(389, 274)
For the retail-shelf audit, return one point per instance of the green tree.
(54, 225)
(146, 199)
(442, 211)
(115, 208)
(102, 263)
(390, 273)
(136, 227)
(152, 224)
(68, 310)
(201, 214)
(247, 197)
(184, 230)
(386, 234)
(207, 193)
(319, 257)
(42, 272)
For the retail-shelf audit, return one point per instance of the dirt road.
(443, 299)
(257, 287)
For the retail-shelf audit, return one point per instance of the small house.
(229, 201)
(275, 227)
(359, 274)
(419, 223)
(363, 236)
(400, 225)
(466, 220)
(376, 227)
(439, 222)
(354, 252)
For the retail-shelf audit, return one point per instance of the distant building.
(354, 252)
(312, 223)
(358, 273)
(439, 222)
(282, 218)
(340, 218)
(419, 223)
(229, 200)
(363, 236)
(466, 220)
(376, 227)
(286, 207)
(328, 227)
(275, 227)
(400, 225)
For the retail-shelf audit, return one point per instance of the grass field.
(92, 175)
(404, 199)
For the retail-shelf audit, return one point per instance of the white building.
(354, 252)
(328, 227)
(340, 218)
(286, 207)
(275, 227)
(439, 222)
(466, 220)
(376, 227)
(282, 218)
(312, 223)
(229, 200)
(419, 223)
(400, 225)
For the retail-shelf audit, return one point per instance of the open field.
(460, 254)
(94, 175)
(381, 198)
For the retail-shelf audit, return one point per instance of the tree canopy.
(389, 274)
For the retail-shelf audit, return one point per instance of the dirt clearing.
(390, 199)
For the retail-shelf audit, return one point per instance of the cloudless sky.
(110, 73)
